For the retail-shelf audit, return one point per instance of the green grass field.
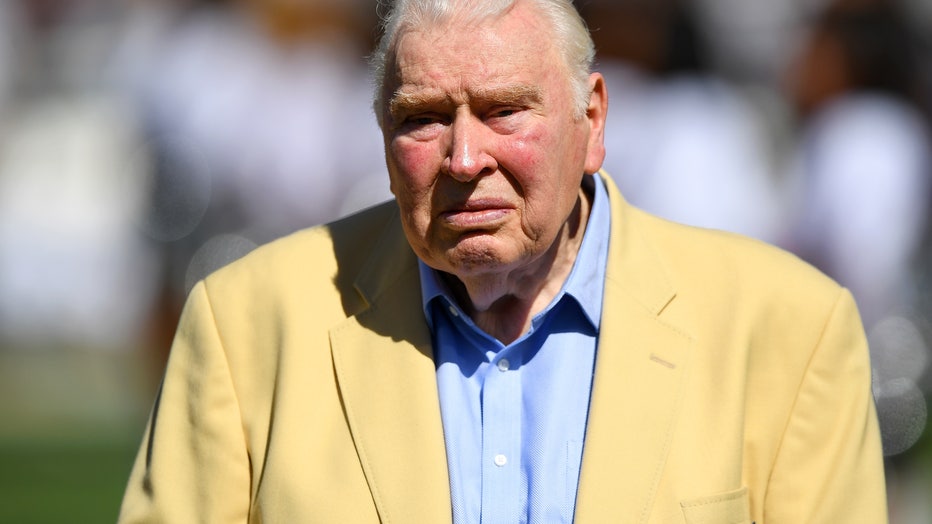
(44, 481)
(70, 424)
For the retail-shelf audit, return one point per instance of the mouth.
(476, 214)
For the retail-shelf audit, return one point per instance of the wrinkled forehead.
(519, 44)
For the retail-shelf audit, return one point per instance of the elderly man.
(509, 341)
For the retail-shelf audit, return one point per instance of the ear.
(596, 113)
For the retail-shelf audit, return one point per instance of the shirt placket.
(502, 495)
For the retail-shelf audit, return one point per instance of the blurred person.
(682, 142)
(747, 41)
(250, 87)
(508, 340)
(69, 191)
(245, 105)
(863, 167)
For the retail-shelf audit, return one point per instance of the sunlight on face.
(483, 149)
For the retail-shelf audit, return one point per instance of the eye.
(422, 120)
(506, 119)
(504, 112)
(421, 126)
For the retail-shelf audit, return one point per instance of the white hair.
(569, 30)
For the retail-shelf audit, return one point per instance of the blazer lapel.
(385, 372)
(637, 388)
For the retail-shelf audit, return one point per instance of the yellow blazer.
(732, 385)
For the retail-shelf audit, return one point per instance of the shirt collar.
(585, 283)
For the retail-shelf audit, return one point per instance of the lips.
(477, 214)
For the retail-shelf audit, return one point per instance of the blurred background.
(144, 143)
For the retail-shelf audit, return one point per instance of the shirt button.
(503, 364)
(453, 311)
(501, 460)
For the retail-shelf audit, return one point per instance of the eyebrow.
(511, 94)
(402, 102)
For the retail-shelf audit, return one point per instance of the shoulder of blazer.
(676, 268)
(322, 262)
(721, 257)
(716, 271)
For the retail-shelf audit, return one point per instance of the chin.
(475, 258)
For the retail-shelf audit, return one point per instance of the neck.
(503, 304)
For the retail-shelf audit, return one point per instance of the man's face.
(484, 149)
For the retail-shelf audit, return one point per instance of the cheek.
(413, 171)
(413, 167)
(546, 170)
(526, 152)
(530, 160)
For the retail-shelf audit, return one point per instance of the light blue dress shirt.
(514, 417)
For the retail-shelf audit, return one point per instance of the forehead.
(516, 47)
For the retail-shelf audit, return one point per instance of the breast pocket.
(724, 508)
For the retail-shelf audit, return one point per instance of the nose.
(468, 155)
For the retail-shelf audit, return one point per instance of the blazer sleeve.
(193, 464)
(829, 467)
